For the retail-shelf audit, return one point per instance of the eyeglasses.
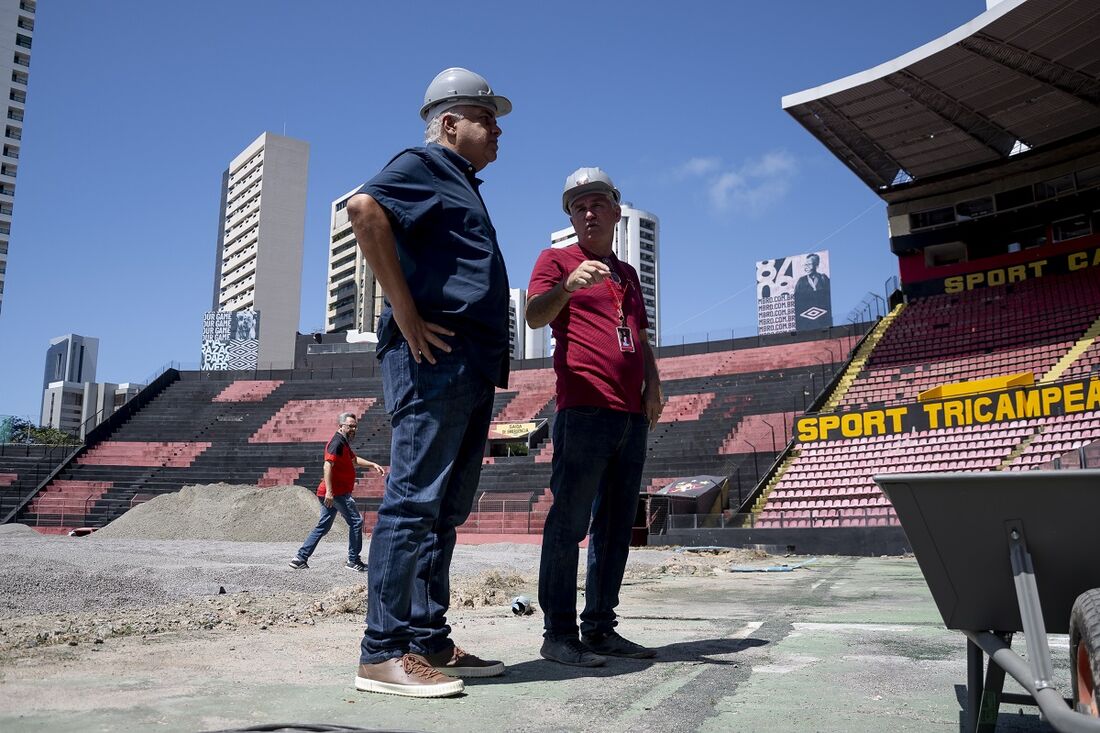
(350, 426)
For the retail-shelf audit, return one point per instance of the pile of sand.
(13, 529)
(225, 512)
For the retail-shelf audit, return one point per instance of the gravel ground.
(66, 590)
(112, 634)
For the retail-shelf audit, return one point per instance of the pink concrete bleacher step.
(7, 479)
(134, 453)
(658, 483)
(308, 421)
(755, 430)
(53, 530)
(280, 476)
(69, 495)
(248, 390)
(370, 485)
(686, 407)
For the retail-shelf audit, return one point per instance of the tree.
(17, 430)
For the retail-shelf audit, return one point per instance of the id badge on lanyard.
(623, 334)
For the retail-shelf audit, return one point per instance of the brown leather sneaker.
(410, 675)
(460, 663)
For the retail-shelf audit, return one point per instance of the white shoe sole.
(495, 670)
(444, 689)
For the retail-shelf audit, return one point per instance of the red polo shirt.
(339, 452)
(591, 369)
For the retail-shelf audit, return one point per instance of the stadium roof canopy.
(1022, 76)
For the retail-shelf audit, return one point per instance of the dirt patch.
(225, 512)
(707, 562)
(493, 588)
(233, 611)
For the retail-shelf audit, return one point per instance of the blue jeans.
(440, 415)
(345, 505)
(596, 474)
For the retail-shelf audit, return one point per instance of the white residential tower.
(260, 235)
(16, 35)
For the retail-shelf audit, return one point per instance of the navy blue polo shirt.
(448, 251)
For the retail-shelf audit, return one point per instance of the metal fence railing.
(802, 518)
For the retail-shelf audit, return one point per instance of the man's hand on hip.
(421, 335)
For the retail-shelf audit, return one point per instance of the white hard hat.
(588, 180)
(462, 86)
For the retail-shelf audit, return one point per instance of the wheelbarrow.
(1005, 553)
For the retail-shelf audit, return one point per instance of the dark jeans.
(345, 505)
(440, 415)
(597, 471)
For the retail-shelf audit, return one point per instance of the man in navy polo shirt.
(443, 342)
(608, 396)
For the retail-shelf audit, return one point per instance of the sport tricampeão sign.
(1023, 403)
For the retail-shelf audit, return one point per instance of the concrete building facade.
(353, 297)
(72, 399)
(16, 36)
(524, 342)
(260, 241)
(638, 243)
(71, 358)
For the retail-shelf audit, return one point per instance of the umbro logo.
(813, 313)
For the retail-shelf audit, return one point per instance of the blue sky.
(135, 108)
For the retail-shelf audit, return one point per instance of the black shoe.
(613, 645)
(570, 651)
(356, 565)
(299, 564)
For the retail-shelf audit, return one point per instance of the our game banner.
(1021, 403)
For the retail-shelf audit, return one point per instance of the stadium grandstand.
(730, 410)
(985, 146)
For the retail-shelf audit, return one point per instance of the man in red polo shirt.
(608, 397)
(334, 493)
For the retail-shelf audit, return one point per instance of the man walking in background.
(443, 342)
(335, 495)
(608, 393)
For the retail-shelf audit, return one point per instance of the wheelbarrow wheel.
(1084, 651)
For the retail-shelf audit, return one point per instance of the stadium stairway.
(22, 468)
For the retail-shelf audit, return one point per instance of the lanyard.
(618, 292)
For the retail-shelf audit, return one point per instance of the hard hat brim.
(500, 105)
(594, 187)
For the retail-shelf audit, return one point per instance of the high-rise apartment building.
(353, 297)
(16, 35)
(260, 241)
(72, 401)
(71, 358)
(637, 242)
(524, 342)
(70, 362)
